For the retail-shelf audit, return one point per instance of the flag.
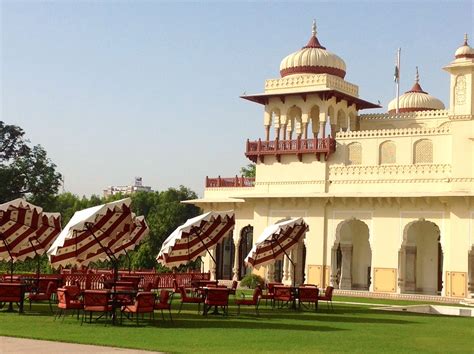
(396, 75)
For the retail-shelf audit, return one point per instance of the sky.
(118, 89)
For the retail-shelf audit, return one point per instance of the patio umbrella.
(194, 238)
(26, 231)
(275, 242)
(96, 234)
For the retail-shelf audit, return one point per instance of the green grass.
(349, 328)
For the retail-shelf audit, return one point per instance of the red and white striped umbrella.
(138, 232)
(25, 230)
(195, 237)
(276, 241)
(95, 234)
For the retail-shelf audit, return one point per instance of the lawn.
(349, 328)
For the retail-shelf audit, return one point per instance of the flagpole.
(398, 80)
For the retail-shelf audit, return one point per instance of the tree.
(249, 170)
(24, 171)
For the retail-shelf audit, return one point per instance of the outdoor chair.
(282, 295)
(96, 301)
(218, 297)
(67, 302)
(185, 299)
(327, 296)
(254, 301)
(269, 295)
(164, 303)
(144, 303)
(12, 293)
(233, 288)
(43, 296)
(74, 292)
(134, 280)
(309, 295)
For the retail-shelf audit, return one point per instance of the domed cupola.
(313, 59)
(415, 100)
(464, 51)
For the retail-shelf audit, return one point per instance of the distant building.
(136, 187)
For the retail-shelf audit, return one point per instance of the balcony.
(230, 182)
(257, 150)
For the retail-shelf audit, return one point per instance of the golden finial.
(314, 28)
(417, 76)
(465, 39)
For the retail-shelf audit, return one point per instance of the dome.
(464, 51)
(415, 100)
(313, 59)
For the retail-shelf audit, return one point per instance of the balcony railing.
(257, 150)
(230, 182)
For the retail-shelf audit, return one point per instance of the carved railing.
(230, 182)
(442, 113)
(257, 150)
(444, 129)
(96, 280)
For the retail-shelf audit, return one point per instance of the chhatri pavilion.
(388, 197)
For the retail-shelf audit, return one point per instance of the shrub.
(252, 281)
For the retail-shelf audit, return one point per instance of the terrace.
(257, 150)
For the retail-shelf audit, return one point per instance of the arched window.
(354, 154)
(423, 151)
(388, 153)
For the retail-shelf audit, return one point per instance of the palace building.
(388, 197)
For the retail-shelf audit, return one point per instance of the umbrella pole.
(108, 252)
(291, 261)
(207, 249)
(129, 262)
(37, 264)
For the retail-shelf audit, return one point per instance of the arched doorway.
(225, 257)
(471, 270)
(245, 245)
(352, 256)
(421, 259)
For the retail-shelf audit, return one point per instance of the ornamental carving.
(376, 170)
(460, 90)
(380, 133)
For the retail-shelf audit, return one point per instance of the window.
(423, 151)
(388, 153)
(354, 156)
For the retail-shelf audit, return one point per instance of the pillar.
(284, 131)
(270, 273)
(213, 266)
(286, 273)
(235, 269)
(333, 277)
(346, 267)
(277, 133)
(333, 130)
(267, 132)
(322, 123)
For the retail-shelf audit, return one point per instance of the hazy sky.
(116, 89)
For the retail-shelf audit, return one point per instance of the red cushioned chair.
(254, 301)
(218, 297)
(269, 295)
(327, 296)
(66, 302)
(164, 303)
(127, 297)
(233, 288)
(43, 296)
(282, 295)
(144, 303)
(308, 295)
(74, 292)
(96, 301)
(185, 299)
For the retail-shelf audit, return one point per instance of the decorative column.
(305, 130)
(270, 273)
(213, 266)
(277, 133)
(401, 269)
(346, 268)
(322, 123)
(236, 269)
(284, 131)
(267, 132)
(333, 130)
(333, 280)
(286, 273)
